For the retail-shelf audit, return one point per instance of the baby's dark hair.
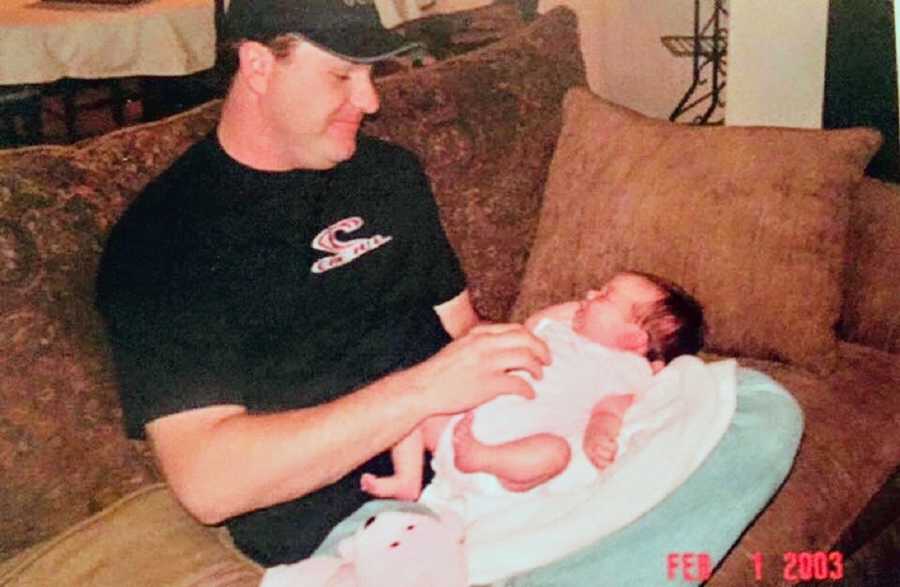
(674, 323)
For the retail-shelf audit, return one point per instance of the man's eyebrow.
(351, 68)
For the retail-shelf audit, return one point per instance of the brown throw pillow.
(752, 221)
(63, 451)
(871, 290)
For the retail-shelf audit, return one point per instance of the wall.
(776, 62)
(776, 59)
(620, 39)
(625, 60)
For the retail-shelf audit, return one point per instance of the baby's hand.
(600, 440)
(601, 451)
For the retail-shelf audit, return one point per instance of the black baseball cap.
(350, 29)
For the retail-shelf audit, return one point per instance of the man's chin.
(343, 148)
(325, 154)
(344, 154)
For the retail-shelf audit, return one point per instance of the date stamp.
(692, 567)
(793, 567)
(803, 566)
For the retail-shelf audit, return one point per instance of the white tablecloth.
(43, 41)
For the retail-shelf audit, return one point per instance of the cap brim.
(373, 58)
(361, 45)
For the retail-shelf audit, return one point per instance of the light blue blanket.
(705, 515)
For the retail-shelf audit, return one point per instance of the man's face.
(608, 316)
(315, 102)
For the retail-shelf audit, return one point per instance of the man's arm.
(458, 315)
(222, 461)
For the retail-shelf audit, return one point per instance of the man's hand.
(477, 367)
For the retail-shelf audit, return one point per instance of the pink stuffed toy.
(393, 549)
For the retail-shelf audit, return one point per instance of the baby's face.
(608, 316)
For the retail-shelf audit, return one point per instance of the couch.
(534, 180)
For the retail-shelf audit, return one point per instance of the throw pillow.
(871, 313)
(752, 221)
(63, 453)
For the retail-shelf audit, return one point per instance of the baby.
(605, 347)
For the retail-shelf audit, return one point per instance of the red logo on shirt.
(343, 251)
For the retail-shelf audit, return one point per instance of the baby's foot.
(392, 487)
(469, 454)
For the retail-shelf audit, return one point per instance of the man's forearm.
(223, 466)
(221, 461)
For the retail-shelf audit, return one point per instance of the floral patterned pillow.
(63, 453)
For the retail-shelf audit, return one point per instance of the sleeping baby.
(606, 349)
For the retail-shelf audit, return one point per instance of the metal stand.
(708, 48)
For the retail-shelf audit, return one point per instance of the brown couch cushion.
(145, 538)
(751, 220)
(871, 313)
(485, 125)
(63, 454)
(850, 447)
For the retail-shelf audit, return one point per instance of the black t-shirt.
(275, 290)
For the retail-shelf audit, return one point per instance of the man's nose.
(365, 97)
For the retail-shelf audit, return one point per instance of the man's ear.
(255, 64)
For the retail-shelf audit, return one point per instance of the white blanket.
(665, 436)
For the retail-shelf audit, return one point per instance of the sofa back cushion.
(871, 312)
(485, 125)
(750, 220)
(63, 454)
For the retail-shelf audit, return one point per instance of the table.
(43, 41)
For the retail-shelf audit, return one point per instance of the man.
(282, 302)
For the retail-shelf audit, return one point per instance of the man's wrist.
(405, 390)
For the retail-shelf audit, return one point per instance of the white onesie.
(581, 373)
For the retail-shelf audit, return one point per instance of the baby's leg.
(519, 465)
(407, 457)
(432, 428)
